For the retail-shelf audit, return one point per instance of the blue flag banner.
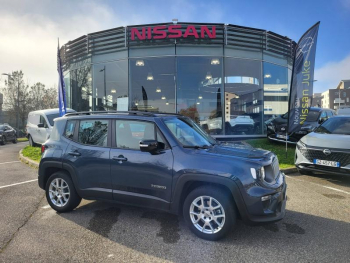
(301, 89)
(61, 86)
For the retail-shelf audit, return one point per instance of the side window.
(93, 132)
(161, 141)
(323, 115)
(330, 114)
(130, 133)
(42, 120)
(69, 131)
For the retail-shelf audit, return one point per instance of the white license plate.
(326, 163)
(282, 136)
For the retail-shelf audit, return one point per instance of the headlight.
(262, 173)
(301, 145)
(258, 173)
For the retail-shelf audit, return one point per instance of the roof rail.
(138, 113)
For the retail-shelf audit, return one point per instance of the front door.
(88, 154)
(139, 177)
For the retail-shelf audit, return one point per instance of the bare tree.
(42, 98)
(16, 98)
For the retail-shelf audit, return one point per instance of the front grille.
(341, 157)
(272, 171)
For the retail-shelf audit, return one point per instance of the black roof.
(122, 113)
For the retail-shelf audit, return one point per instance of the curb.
(290, 170)
(28, 161)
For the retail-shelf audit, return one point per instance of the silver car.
(327, 149)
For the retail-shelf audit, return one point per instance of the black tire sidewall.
(224, 199)
(30, 139)
(74, 198)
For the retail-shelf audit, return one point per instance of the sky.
(29, 29)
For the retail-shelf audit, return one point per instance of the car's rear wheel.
(14, 140)
(209, 212)
(61, 194)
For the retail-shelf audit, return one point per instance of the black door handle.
(120, 158)
(75, 153)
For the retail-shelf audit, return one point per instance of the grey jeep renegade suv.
(161, 161)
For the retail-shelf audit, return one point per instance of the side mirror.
(41, 125)
(149, 146)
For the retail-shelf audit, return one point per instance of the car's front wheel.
(2, 140)
(14, 140)
(61, 194)
(31, 142)
(209, 212)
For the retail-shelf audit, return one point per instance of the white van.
(40, 123)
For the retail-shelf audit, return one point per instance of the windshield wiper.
(197, 146)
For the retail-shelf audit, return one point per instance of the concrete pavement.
(316, 228)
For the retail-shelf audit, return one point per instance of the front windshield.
(188, 133)
(335, 126)
(2, 127)
(312, 116)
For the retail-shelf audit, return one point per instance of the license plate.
(281, 136)
(326, 163)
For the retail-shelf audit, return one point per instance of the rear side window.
(69, 131)
(93, 132)
(330, 114)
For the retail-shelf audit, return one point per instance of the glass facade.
(228, 91)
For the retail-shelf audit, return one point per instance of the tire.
(226, 213)
(3, 140)
(31, 142)
(14, 140)
(68, 195)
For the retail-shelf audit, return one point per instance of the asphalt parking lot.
(316, 227)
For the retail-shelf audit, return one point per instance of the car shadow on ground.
(341, 180)
(153, 232)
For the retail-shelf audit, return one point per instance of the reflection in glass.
(199, 88)
(81, 88)
(275, 90)
(111, 86)
(243, 97)
(152, 86)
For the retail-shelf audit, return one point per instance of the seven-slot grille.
(342, 157)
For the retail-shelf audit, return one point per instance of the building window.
(110, 86)
(244, 89)
(199, 92)
(152, 84)
(81, 88)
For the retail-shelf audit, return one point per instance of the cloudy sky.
(29, 29)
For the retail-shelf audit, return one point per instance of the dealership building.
(230, 79)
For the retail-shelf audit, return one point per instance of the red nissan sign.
(172, 31)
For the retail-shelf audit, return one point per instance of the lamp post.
(17, 110)
(104, 83)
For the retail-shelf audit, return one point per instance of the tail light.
(43, 148)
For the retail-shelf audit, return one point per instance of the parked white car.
(39, 125)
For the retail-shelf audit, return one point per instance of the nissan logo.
(283, 129)
(327, 151)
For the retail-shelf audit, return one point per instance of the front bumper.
(265, 211)
(302, 163)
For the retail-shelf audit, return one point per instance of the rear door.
(139, 177)
(88, 154)
(33, 129)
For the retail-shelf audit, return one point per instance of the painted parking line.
(10, 162)
(30, 181)
(328, 187)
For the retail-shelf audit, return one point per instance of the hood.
(237, 149)
(335, 141)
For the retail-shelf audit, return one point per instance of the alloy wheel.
(59, 192)
(207, 214)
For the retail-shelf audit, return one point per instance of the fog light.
(265, 198)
